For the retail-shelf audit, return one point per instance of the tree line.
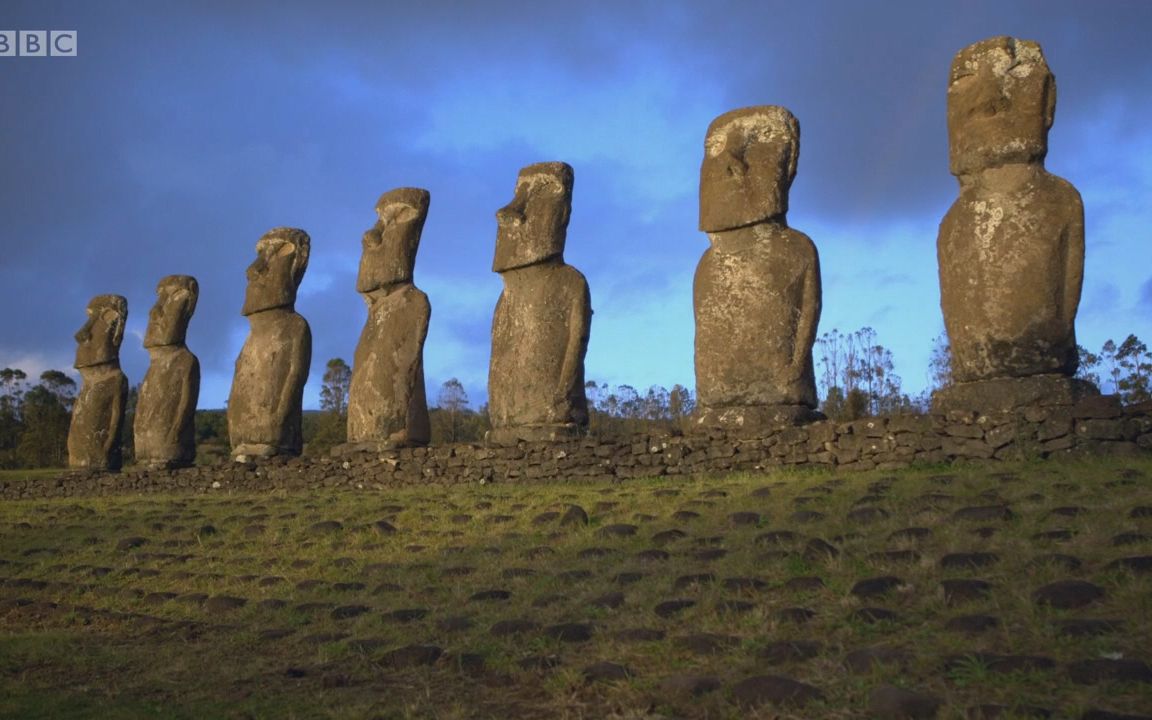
(855, 374)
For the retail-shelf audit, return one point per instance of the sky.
(181, 132)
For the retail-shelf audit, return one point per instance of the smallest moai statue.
(387, 406)
(756, 292)
(542, 319)
(98, 414)
(265, 406)
(164, 428)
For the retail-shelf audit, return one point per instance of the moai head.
(1001, 102)
(749, 163)
(389, 255)
(98, 342)
(532, 228)
(281, 259)
(176, 297)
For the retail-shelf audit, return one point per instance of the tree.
(11, 422)
(330, 427)
(681, 404)
(334, 390)
(858, 376)
(1089, 361)
(1127, 367)
(46, 412)
(940, 363)
(1109, 364)
(1136, 363)
(453, 400)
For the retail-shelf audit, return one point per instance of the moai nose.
(734, 164)
(511, 214)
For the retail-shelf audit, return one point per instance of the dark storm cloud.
(184, 131)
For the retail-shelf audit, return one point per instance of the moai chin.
(542, 319)
(98, 414)
(387, 406)
(164, 428)
(1011, 247)
(756, 292)
(265, 405)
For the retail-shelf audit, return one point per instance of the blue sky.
(183, 131)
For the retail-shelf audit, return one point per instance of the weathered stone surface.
(98, 414)
(387, 406)
(756, 291)
(1011, 248)
(164, 429)
(542, 319)
(265, 405)
(1005, 395)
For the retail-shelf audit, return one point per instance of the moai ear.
(182, 298)
(1049, 100)
(567, 215)
(793, 159)
(116, 323)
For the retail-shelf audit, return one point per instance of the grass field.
(963, 592)
(28, 474)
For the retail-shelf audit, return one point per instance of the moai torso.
(1011, 248)
(757, 297)
(387, 405)
(165, 424)
(164, 429)
(756, 293)
(539, 338)
(386, 401)
(98, 413)
(542, 319)
(265, 405)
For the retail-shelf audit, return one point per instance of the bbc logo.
(37, 43)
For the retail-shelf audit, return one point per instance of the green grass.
(83, 634)
(29, 473)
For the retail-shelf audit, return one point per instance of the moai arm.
(189, 395)
(409, 356)
(116, 416)
(297, 374)
(809, 317)
(1073, 260)
(579, 327)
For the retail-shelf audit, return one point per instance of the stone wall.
(1097, 425)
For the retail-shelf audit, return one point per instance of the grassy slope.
(142, 654)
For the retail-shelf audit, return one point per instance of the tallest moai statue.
(1011, 248)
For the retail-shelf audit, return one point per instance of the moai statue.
(98, 415)
(541, 324)
(756, 292)
(386, 402)
(1011, 248)
(265, 405)
(164, 429)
